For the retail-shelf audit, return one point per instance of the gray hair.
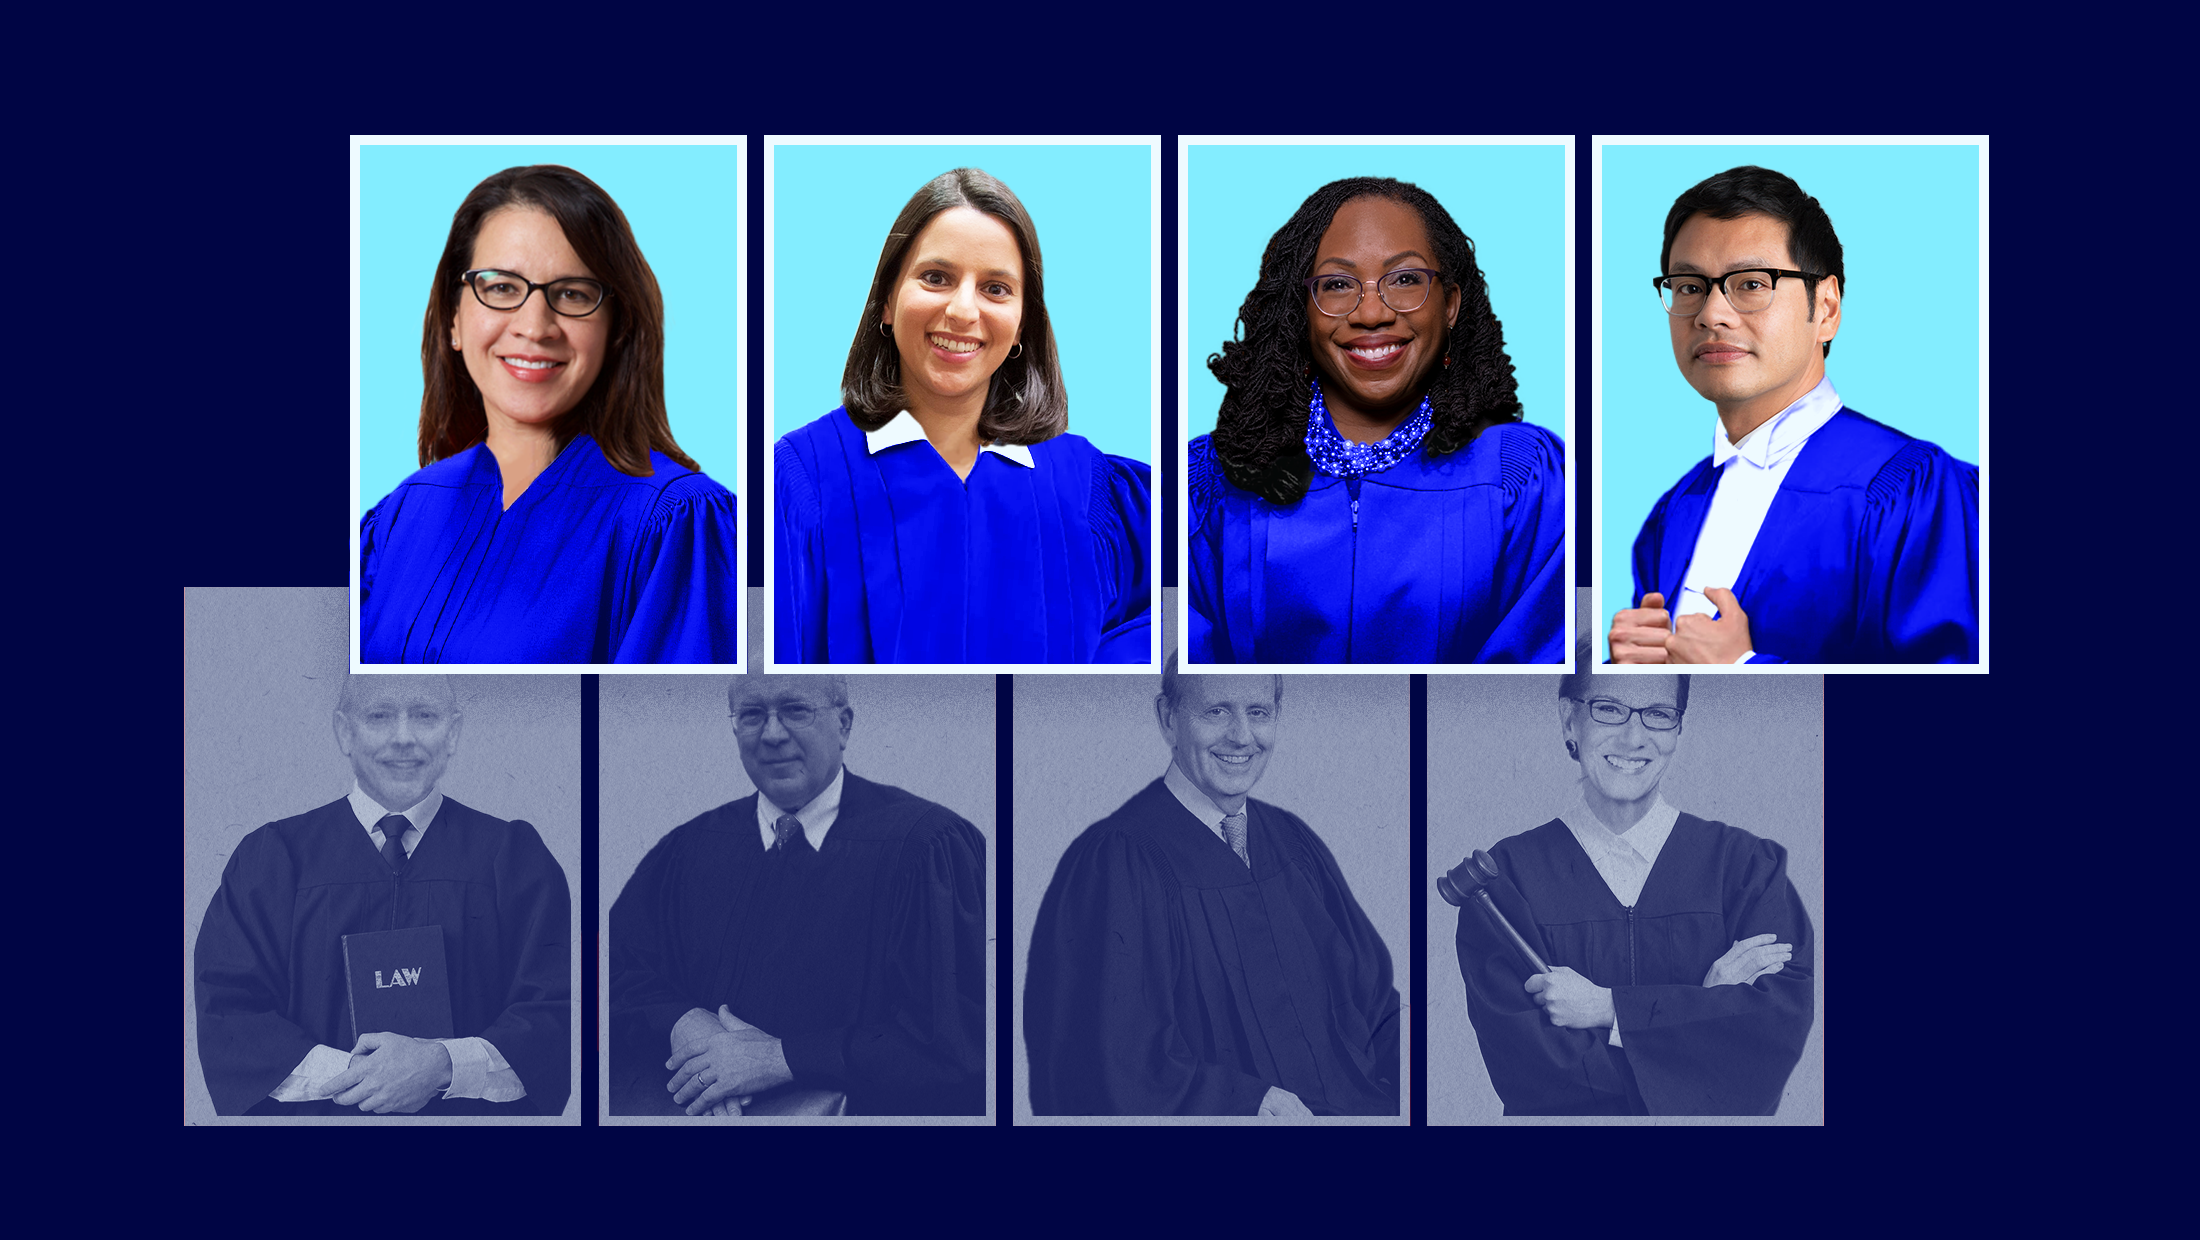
(1169, 686)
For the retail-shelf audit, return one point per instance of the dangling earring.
(886, 330)
(1016, 350)
(1447, 359)
(1573, 751)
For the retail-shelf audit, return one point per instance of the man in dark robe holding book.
(1199, 952)
(815, 948)
(275, 1005)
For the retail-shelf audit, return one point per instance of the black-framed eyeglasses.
(575, 297)
(750, 720)
(1404, 290)
(1615, 714)
(1685, 292)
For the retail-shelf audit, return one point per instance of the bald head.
(426, 686)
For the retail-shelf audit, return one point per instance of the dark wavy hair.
(1025, 403)
(625, 409)
(1260, 433)
(1751, 190)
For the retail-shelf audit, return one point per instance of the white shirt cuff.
(478, 1071)
(1747, 655)
(308, 1082)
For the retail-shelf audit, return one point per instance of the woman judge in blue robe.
(943, 514)
(554, 519)
(1369, 493)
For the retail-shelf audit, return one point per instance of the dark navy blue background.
(1947, 795)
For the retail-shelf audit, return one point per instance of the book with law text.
(400, 983)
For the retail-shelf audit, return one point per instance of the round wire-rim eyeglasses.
(1388, 286)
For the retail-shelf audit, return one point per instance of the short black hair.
(1751, 190)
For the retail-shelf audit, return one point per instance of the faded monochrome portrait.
(1211, 895)
(796, 885)
(378, 874)
(1630, 907)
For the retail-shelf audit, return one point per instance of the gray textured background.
(667, 753)
(261, 671)
(1085, 745)
(1751, 754)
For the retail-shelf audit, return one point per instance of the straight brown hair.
(1025, 403)
(625, 409)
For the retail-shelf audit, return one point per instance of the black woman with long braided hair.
(1369, 493)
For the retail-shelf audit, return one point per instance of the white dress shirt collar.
(370, 813)
(906, 429)
(816, 818)
(1783, 435)
(1625, 860)
(1192, 798)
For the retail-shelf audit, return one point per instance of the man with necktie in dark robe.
(274, 1005)
(818, 945)
(1199, 952)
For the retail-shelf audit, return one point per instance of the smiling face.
(1621, 764)
(956, 307)
(1221, 733)
(1376, 363)
(790, 763)
(400, 733)
(532, 364)
(1750, 365)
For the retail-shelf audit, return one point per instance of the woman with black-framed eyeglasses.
(1369, 493)
(554, 519)
(944, 514)
(1672, 958)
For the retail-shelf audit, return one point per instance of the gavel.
(1470, 880)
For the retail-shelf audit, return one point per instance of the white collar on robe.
(1192, 798)
(906, 429)
(1623, 861)
(1780, 437)
(370, 812)
(816, 818)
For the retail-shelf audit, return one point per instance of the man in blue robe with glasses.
(1811, 534)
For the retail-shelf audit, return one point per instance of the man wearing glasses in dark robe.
(817, 947)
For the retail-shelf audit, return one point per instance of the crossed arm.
(1572, 1001)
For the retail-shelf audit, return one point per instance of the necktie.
(1233, 830)
(393, 828)
(790, 837)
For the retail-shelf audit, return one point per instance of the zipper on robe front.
(1352, 595)
(1631, 978)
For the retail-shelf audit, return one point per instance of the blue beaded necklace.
(1339, 457)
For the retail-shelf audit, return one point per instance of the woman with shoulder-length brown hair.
(553, 519)
(943, 514)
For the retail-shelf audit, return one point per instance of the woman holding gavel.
(1662, 964)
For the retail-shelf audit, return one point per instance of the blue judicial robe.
(589, 565)
(1458, 560)
(865, 958)
(1869, 553)
(1167, 978)
(268, 969)
(1689, 1049)
(890, 558)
